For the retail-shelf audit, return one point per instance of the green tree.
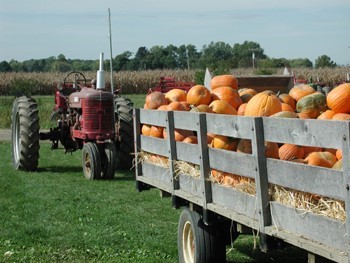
(121, 61)
(324, 61)
(5, 66)
(300, 63)
(243, 54)
(216, 55)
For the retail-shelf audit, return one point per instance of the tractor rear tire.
(124, 132)
(109, 160)
(91, 161)
(25, 134)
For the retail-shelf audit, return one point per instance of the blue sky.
(79, 29)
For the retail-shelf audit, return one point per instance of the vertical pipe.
(110, 49)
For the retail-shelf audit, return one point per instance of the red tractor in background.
(86, 117)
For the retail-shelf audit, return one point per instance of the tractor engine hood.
(76, 98)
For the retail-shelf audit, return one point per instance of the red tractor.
(87, 117)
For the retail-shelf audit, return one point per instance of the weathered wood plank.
(191, 185)
(308, 132)
(331, 233)
(154, 117)
(232, 199)
(188, 152)
(157, 173)
(232, 162)
(308, 244)
(306, 178)
(154, 145)
(230, 125)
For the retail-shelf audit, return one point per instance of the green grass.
(56, 215)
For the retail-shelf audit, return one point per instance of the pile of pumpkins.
(302, 101)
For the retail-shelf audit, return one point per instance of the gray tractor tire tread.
(124, 120)
(25, 134)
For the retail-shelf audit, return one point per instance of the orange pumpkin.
(271, 150)
(286, 98)
(154, 99)
(326, 115)
(202, 108)
(310, 149)
(146, 129)
(286, 107)
(210, 137)
(179, 134)
(162, 107)
(175, 106)
(227, 94)
(176, 95)
(156, 131)
(341, 116)
(318, 160)
(339, 154)
(299, 91)
(186, 105)
(197, 95)
(244, 146)
(329, 156)
(191, 139)
(338, 98)
(224, 81)
(241, 109)
(264, 103)
(222, 107)
(290, 151)
(224, 142)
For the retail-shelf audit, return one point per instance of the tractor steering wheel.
(76, 79)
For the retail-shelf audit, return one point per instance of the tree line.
(216, 56)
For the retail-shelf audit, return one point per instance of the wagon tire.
(25, 134)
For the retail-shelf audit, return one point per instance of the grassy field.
(56, 215)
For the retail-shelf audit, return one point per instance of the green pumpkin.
(312, 104)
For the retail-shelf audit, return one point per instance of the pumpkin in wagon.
(263, 104)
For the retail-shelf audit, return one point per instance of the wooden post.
(261, 180)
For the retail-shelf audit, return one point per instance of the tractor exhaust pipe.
(100, 82)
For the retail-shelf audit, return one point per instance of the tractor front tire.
(124, 141)
(25, 134)
(91, 161)
(109, 160)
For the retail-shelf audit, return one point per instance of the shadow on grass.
(286, 253)
(60, 169)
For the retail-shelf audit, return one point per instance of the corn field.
(139, 82)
